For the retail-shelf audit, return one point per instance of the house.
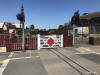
(18, 26)
(82, 30)
(92, 20)
(9, 27)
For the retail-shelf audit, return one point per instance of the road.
(50, 62)
(23, 63)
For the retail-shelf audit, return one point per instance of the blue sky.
(46, 13)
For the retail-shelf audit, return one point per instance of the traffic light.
(20, 17)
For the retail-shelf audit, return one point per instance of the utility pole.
(23, 36)
(21, 18)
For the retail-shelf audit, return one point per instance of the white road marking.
(11, 54)
(23, 58)
(3, 66)
(86, 53)
(82, 53)
(91, 72)
(98, 53)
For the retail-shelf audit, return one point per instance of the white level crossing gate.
(50, 41)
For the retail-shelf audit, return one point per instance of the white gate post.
(61, 40)
(73, 34)
(38, 42)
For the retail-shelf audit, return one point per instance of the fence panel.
(67, 41)
(15, 44)
(31, 43)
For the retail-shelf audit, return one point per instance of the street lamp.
(21, 18)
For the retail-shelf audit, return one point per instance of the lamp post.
(21, 18)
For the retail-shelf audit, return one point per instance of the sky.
(45, 14)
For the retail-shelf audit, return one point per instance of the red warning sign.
(50, 41)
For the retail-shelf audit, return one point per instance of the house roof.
(15, 25)
(9, 25)
(18, 26)
(1, 24)
(90, 15)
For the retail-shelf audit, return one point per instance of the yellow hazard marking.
(83, 50)
(2, 61)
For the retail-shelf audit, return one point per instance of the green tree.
(67, 28)
(27, 27)
(18, 32)
(64, 29)
(27, 31)
(60, 27)
(60, 30)
(32, 27)
(27, 34)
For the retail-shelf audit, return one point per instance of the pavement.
(3, 57)
(90, 61)
(23, 63)
(88, 49)
(45, 62)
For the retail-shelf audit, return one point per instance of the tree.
(27, 31)
(32, 27)
(64, 29)
(67, 28)
(60, 30)
(27, 34)
(18, 32)
(27, 27)
(60, 27)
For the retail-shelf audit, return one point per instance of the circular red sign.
(50, 41)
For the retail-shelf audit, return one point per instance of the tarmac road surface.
(45, 62)
(23, 63)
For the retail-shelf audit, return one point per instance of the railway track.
(77, 67)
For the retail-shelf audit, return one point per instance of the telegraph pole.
(21, 18)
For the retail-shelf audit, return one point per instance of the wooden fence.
(31, 43)
(67, 41)
(15, 44)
